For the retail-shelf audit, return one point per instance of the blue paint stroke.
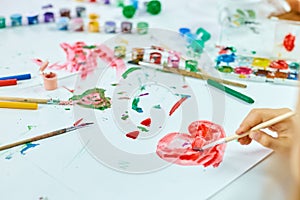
(28, 146)
(9, 156)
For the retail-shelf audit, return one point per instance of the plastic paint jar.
(32, 19)
(2, 22)
(80, 11)
(142, 28)
(126, 27)
(49, 17)
(50, 81)
(65, 12)
(62, 23)
(110, 27)
(16, 20)
(120, 51)
(76, 24)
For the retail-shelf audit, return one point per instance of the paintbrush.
(189, 73)
(255, 128)
(31, 100)
(44, 136)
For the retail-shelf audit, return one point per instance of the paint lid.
(154, 7)
(16, 17)
(93, 16)
(128, 11)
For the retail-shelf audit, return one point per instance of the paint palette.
(255, 68)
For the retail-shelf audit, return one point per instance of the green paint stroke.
(143, 129)
(157, 106)
(86, 99)
(128, 71)
(134, 105)
(124, 117)
(30, 127)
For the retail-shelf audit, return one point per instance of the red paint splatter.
(78, 122)
(176, 105)
(185, 86)
(133, 134)
(146, 122)
(178, 147)
(289, 42)
(279, 64)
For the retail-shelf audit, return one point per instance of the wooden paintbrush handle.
(29, 100)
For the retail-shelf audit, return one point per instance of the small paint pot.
(142, 28)
(173, 60)
(65, 12)
(16, 20)
(137, 54)
(262, 73)
(191, 65)
(76, 24)
(279, 64)
(282, 75)
(106, 2)
(225, 69)
(80, 11)
(110, 27)
(2, 22)
(33, 19)
(184, 31)
(126, 27)
(62, 23)
(293, 76)
(243, 70)
(294, 66)
(155, 57)
(120, 51)
(93, 26)
(49, 17)
(261, 62)
(50, 81)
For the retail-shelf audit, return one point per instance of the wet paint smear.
(130, 70)
(134, 105)
(178, 148)
(145, 94)
(78, 122)
(30, 127)
(93, 98)
(143, 129)
(28, 146)
(177, 105)
(9, 156)
(114, 84)
(124, 116)
(146, 122)
(289, 42)
(133, 134)
(157, 106)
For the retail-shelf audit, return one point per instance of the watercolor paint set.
(256, 68)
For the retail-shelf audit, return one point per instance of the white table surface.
(257, 183)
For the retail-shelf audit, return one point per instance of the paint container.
(184, 31)
(110, 27)
(142, 28)
(294, 66)
(80, 11)
(137, 54)
(2, 22)
(106, 2)
(225, 69)
(261, 62)
(33, 19)
(65, 12)
(279, 64)
(243, 70)
(155, 57)
(62, 23)
(173, 60)
(76, 24)
(16, 20)
(126, 27)
(282, 75)
(93, 25)
(191, 65)
(293, 76)
(262, 73)
(49, 17)
(120, 51)
(50, 81)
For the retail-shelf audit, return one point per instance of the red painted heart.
(178, 147)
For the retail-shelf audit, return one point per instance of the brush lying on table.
(255, 128)
(44, 136)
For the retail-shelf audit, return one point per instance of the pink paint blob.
(178, 147)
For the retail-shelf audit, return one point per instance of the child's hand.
(284, 129)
